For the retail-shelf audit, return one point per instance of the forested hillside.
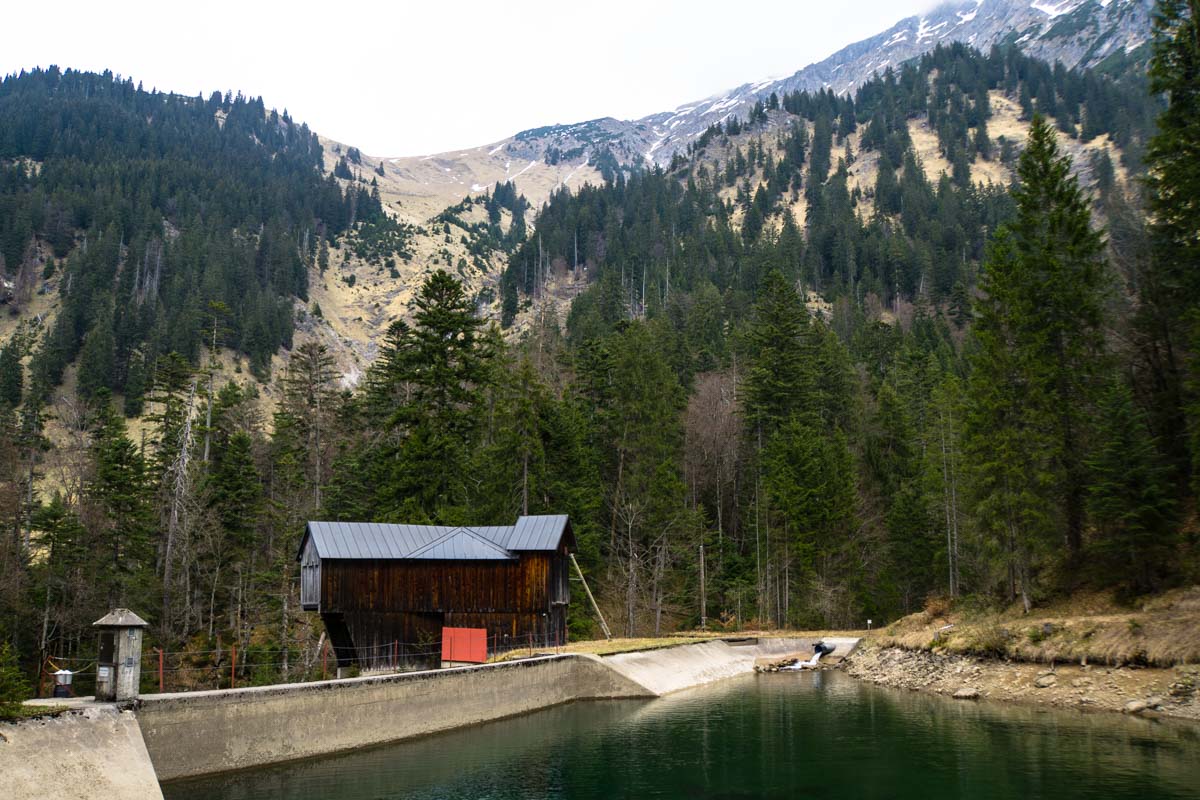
(157, 217)
(841, 397)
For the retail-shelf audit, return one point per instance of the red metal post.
(233, 666)
(160, 669)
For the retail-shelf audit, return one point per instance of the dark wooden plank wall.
(440, 586)
(378, 602)
(372, 637)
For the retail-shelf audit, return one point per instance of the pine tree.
(810, 480)
(1011, 453)
(12, 375)
(641, 429)
(1174, 151)
(97, 358)
(819, 158)
(427, 389)
(307, 411)
(911, 547)
(1049, 291)
(518, 454)
(1130, 495)
(1167, 315)
(235, 489)
(13, 686)
(780, 380)
(119, 487)
(67, 575)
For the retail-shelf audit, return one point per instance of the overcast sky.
(400, 78)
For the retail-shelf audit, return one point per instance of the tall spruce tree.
(1170, 290)
(121, 490)
(780, 381)
(12, 375)
(810, 479)
(1057, 309)
(1010, 451)
(1174, 151)
(1130, 496)
(426, 393)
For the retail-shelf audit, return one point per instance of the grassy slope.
(1161, 631)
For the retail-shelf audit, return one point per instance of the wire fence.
(299, 661)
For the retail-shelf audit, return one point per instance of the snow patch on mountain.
(927, 31)
(1054, 9)
(966, 16)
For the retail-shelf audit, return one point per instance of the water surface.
(804, 735)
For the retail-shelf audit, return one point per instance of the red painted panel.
(464, 644)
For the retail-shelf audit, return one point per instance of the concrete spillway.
(671, 669)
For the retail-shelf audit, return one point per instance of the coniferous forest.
(820, 402)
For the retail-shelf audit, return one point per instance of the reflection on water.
(799, 735)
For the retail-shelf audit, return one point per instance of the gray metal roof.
(375, 540)
(372, 539)
(537, 533)
(462, 544)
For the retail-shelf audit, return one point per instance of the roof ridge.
(454, 532)
(478, 534)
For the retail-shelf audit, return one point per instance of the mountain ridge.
(1082, 33)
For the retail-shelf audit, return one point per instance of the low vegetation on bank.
(1161, 631)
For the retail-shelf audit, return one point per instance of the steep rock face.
(1083, 33)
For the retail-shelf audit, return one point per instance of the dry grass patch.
(1092, 628)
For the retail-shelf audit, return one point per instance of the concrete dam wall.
(115, 755)
(79, 755)
(196, 733)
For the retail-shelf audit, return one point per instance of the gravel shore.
(1145, 691)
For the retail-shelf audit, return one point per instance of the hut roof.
(121, 618)
(375, 540)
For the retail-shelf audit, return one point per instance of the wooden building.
(386, 590)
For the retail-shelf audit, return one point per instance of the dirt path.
(1148, 691)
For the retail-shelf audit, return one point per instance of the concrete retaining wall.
(80, 755)
(198, 733)
(195, 733)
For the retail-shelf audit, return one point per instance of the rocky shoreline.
(1147, 692)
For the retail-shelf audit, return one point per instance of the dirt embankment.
(1085, 652)
(1145, 690)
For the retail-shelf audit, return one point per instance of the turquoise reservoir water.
(809, 735)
